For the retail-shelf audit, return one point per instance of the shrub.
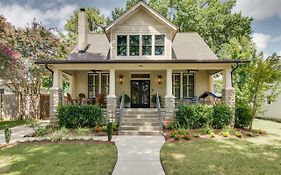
(109, 131)
(180, 134)
(243, 115)
(193, 116)
(75, 116)
(154, 97)
(82, 131)
(207, 130)
(127, 99)
(8, 134)
(43, 130)
(221, 116)
(238, 134)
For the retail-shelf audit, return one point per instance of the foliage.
(101, 100)
(109, 131)
(74, 116)
(127, 99)
(221, 116)
(82, 131)
(193, 116)
(154, 97)
(238, 134)
(8, 134)
(43, 130)
(180, 133)
(243, 115)
(207, 130)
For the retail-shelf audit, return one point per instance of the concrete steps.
(140, 122)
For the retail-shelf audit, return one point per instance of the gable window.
(146, 44)
(105, 83)
(176, 85)
(122, 45)
(93, 85)
(159, 44)
(134, 45)
(188, 85)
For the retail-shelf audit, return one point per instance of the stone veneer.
(55, 100)
(228, 95)
(169, 107)
(111, 107)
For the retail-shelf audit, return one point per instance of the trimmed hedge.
(193, 116)
(221, 116)
(75, 116)
(243, 115)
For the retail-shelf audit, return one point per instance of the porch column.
(211, 88)
(56, 94)
(228, 92)
(169, 98)
(111, 98)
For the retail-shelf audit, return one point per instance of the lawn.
(66, 159)
(13, 123)
(224, 157)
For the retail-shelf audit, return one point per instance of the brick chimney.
(82, 30)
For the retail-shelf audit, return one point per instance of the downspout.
(237, 65)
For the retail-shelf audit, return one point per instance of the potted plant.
(153, 100)
(127, 100)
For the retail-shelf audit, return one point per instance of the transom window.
(146, 44)
(122, 45)
(134, 45)
(159, 44)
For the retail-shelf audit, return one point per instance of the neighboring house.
(140, 54)
(273, 110)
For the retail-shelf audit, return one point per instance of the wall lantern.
(121, 79)
(159, 78)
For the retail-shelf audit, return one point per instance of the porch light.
(159, 79)
(121, 79)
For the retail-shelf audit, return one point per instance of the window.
(134, 45)
(122, 45)
(93, 85)
(188, 85)
(176, 85)
(140, 75)
(105, 84)
(159, 44)
(146, 44)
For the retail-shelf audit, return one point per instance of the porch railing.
(121, 110)
(158, 106)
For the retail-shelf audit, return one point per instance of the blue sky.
(266, 14)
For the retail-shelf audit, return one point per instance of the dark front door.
(140, 93)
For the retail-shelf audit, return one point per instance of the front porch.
(175, 84)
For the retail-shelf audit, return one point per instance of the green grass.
(13, 123)
(33, 159)
(228, 157)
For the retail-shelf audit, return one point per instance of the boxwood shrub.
(193, 116)
(221, 116)
(75, 116)
(243, 115)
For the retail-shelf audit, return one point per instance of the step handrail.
(121, 110)
(158, 105)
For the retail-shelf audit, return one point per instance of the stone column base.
(228, 96)
(111, 107)
(55, 100)
(169, 107)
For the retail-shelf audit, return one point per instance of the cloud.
(20, 15)
(261, 40)
(259, 9)
(106, 12)
(279, 53)
(276, 39)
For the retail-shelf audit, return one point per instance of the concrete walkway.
(138, 155)
(18, 133)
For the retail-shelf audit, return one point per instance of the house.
(140, 54)
(272, 109)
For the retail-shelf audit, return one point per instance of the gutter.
(46, 66)
(233, 70)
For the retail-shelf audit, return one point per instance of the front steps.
(140, 121)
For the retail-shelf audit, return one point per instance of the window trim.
(187, 85)
(121, 46)
(164, 43)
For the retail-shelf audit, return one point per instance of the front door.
(140, 93)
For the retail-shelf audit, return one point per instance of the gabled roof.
(133, 9)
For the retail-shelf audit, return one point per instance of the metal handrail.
(158, 105)
(121, 110)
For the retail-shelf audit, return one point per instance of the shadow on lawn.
(229, 156)
(58, 159)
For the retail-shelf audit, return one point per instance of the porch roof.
(87, 61)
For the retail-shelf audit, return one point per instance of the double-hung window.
(188, 85)
(93, 85)
(105, 83)
(159, 44)
(146, 44)
(122, 45)
(176, 85)
(134, 45)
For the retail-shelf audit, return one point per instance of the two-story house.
(140, 54)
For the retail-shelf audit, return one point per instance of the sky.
(54, 14)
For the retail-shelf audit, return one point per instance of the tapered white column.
(112, 83)
(169, 98)
(169, 83)
(111, 98)
(227, 78)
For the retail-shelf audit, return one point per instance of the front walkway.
(18, 133)
(139, 155)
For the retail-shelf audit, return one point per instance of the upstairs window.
(146, 44)
(122, 45)
(159, 44)
(188, 85)
(134, 45)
